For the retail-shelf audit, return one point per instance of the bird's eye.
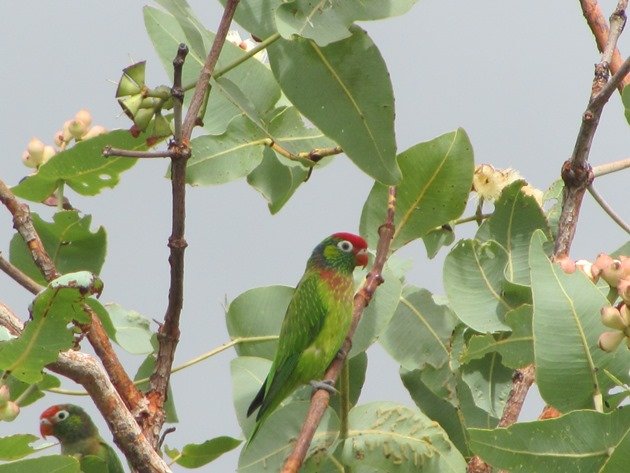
(61, 415)
(345, 246)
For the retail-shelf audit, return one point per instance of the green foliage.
(330, 23)
(16, 446)
(195, 455)
(17, 388)
(46, 334)
(437, 176)
(131, 329)
(359, 109)
(625, 97)
(566, 328)
(577, 441)
(384, 436)
(51, 463)
(68, 240)
(82, 167)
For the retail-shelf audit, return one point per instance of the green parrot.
(77, 435)
(315, 324)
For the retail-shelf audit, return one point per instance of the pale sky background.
(515, 75)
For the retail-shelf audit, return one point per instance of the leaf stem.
(59, 196)
(251, 53)
(608, 209)
(26, 393)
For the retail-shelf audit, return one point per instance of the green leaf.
(132, 329)
(252, 79)
(622, 250)
(16, 446)
(287, 129)
(82, 167)
(93, 464)
(378, 314)
(359, 109)
(454, 419)
(437, 176)
(49, 464)
(276, 180)
(195, 455)
(384, 436)
(144, 371)
(554, 195)
(515, 218)
(275, 440)
(566, 327)
(490, 383)
(625, 98)
(189, 24)
(248, 373)
(217, 159)
(516, 349)
(419, 332)
(46, 333)
(357, 370)
(438, 238)
(474, 275)
(330, 22)
(18, 387)
(619, 459)
(259, 18)
(67, 240)
(577, 441)
(255, 313)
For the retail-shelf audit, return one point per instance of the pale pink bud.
(95, 131)
(59, 139)
(623, 288)
(84, 117)
(567, 264)
(612, 274)
(9, 411)
(35, 148)
(602, 261)
(609, 341)
(5, 394)
(77, 129)
(49, 152)
(66, 136)
(28, 160)
(624, 310)
(611, 317)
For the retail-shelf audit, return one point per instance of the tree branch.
(599, 27)
(608, 168)
(18, 276)
(321, 397)
(109, 152)
(208, 68)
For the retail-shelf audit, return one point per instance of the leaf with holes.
(68, 240)
(330, 22)
(566, 327)
(82, 167)
(17, 446)
(47, 333)
(358, 112)
(437, 176)
(419, 332)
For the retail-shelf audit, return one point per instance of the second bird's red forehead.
(51, 411)
(356, 240)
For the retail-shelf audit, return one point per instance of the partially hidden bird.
(78, 435)
(315, 324)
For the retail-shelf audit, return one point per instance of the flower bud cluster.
(489, 182)
(9, 409)
(248, 44)
(78, 128)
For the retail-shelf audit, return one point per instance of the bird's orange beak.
(362, 257)
(45, 427)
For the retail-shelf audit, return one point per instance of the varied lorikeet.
(77, 435)
(316, 322)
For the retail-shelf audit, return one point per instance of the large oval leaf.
(437, 176)
(358, 112)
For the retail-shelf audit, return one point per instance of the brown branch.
(576, 171)
(321, 397)
(18, 276)
(608, 168)
(84, 369)
(208, 68)
(168, 332)
(96, 334)
(599, 27)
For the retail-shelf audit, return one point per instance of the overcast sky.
(515, 75)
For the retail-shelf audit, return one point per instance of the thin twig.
(252, 52)
(18, 276)
(321, 397)
(109, 152)
(608, 209)
(608, 168)
(599, 27)
(208, 68)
